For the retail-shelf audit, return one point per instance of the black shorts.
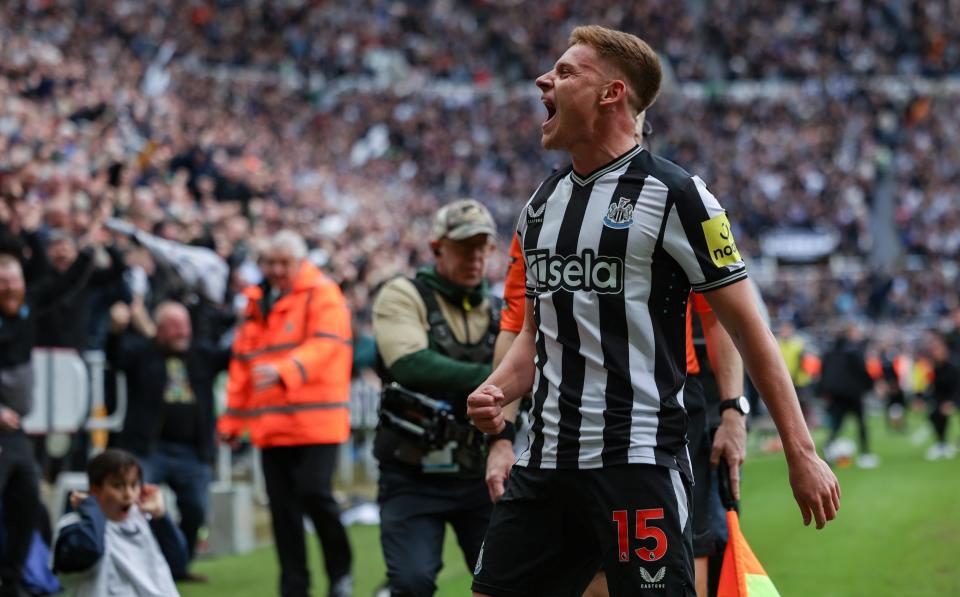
(553, 530)
(700, 445)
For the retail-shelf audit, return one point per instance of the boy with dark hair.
(118, 539)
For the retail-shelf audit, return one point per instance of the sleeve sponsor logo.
(720, 243)
(587, 271)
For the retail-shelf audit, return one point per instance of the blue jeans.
(178, 466)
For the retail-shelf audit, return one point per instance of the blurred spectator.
(67, 322)
(71, 322)
(793, 349)
(18, 477)
(191, 274)
(893, 365)
(289, 385)
(944, 394)
(843, 383)
(20, 307)
(118, 539)
(170, 422)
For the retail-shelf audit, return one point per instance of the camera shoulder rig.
(420, 419)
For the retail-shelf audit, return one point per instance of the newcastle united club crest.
(619, 215)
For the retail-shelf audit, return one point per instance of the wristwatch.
(740, 404)
(509, 432)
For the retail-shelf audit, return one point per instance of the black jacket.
(18, 333)
(946, 381)
(845, 373)
(144, 364)
(66, 323)
(18, 336)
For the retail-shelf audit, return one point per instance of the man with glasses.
(289, 386)
(435, 334)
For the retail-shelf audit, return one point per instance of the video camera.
(427, 422)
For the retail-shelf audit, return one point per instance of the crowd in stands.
(809, 162)
(123, 109)
(928, 170)
(216, 123)
(149, 149)
(812, 38)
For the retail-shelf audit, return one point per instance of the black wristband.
(739, 404)
(509, 432)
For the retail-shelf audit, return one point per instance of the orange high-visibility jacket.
(307, 337)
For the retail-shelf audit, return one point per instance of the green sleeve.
(427, 371)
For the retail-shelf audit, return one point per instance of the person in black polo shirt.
(170, 422)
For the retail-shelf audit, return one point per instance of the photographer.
(435, 335)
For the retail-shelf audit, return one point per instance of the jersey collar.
(610, 167)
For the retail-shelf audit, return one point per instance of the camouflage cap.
(462, 219)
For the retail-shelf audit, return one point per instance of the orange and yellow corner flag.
(742, 575)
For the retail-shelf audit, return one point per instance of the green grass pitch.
(898, 534)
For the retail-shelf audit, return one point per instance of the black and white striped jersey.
(610, 261)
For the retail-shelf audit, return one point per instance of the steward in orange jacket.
(305, 334)
(289, 385)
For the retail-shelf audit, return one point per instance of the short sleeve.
(511, 317)
(399, 321)
(699, 237)
(529, 280)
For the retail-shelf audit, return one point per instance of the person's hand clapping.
(9, 419)
(76, 497)
(30, 215)
(119, 316)
(151, 501)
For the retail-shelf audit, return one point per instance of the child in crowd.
(118, 540)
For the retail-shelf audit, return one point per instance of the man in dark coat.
(844, 382)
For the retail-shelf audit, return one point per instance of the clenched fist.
(484, 409)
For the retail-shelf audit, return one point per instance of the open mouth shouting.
(551, 110)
